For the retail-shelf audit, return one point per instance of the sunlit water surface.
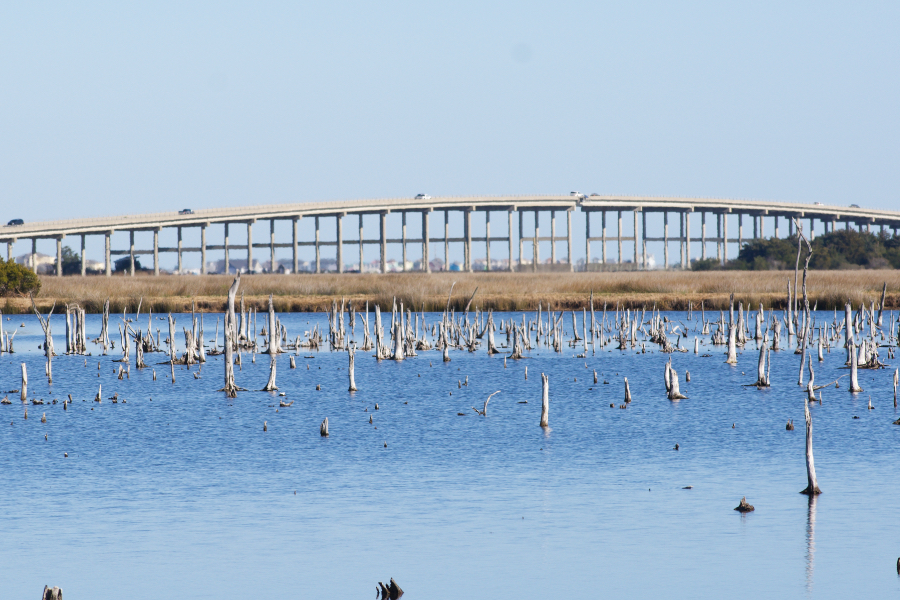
(178, 492)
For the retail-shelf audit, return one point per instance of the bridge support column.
(59, 265)
(762, 227)
(603, 238)
(272, 267)
(776, 226)
(487, 240)
(587, 240)
(724, 238)
(339, 254)
(635, 215)
(382, 217)
(552, 238)
(619, 238)
(681, 239)
(666, 240)
(426, 266)
(521, 240)
(703, 235)
(294, 222)
(741, 226)
(179, 250)
(249, 248)
(361, 243)
(687, 240)
(203, 248)
(108, 265)
(791, 226)
(446, 240)
(569, 241)
(318, 249)
(227, 262)
(536, 245)
(131, 253)
(509, 225)
(156, 251)
(9, 245)
(644, 239)
(467, 215)
(34, 253)
(83, 260)
(403, 237)
(812, 228)
(718, 237)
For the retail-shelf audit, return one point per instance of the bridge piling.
(703, 235)
(535, 245)
(687, 242)
(59, 264)
(108, 266)
(339, 233)
(249, 247)
(382, 218)
(724, 237)
(635, 215)
(644, 238)
(294, 242)
(603, 236)
(509, 218)
(203, 269)
(568, 240)
(447, 240)
(225, 241)
(587, 240)
(361, 242)
(666, 239)
(83, 263)
(681, 239)
(179, 250)
(131, 253)
(403, 238)
(318, 249)
(552, 237)
(426, 266)
(619, 238)
(487, 239)
(272, 267)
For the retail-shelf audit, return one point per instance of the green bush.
(17, 280)
(705, 264)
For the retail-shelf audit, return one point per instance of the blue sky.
(113, 108)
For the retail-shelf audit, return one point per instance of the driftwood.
(483, 412)
(812, 487)
(323, 428)
(627, 391)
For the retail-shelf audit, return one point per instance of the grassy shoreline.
(668, 290)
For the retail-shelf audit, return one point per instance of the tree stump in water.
(52, 593)
(744, 506)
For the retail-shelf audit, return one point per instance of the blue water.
(178, 493)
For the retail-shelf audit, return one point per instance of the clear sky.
(116, 107)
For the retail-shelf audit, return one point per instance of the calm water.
(179, 493)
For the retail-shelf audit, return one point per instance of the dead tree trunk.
(812, 487)
(545, 400)
(627, 392)
(323, 428)
(350, 370)
(230, 327)
(24, 389)
(270, 385)
(854, 379)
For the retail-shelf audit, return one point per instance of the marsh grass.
(669, 290)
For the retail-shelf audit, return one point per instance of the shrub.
(17, 280)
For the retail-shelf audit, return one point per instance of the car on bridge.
(185, 211)
(15, 222)
(423, 197)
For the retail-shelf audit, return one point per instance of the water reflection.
(810, 542)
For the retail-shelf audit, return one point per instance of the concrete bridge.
(522, 208)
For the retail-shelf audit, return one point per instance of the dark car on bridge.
(15, 222)
(185, 211)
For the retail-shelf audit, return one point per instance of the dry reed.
(669, 290)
